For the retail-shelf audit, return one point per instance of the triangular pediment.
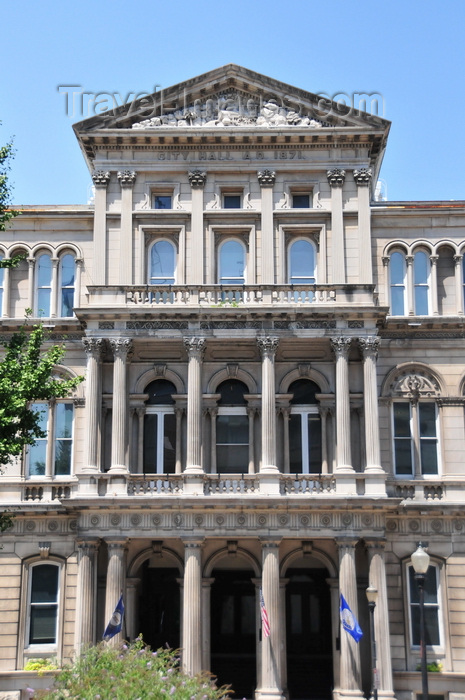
(232, 97)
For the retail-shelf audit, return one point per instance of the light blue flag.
(348, 621)
(116, 622)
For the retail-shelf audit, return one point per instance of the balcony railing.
(418, 489)
(231, 296)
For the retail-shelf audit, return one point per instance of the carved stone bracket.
(197, 178)
(267, 345)
(362, 176)
(266, 178)
(336, 177)
(44, 549)
(101, 178)
(126, 178)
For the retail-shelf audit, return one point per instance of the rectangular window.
(162, 201)
(415, 433)
(43, 612)
(403, 445)
(432, 627)
(301, 200)
(232, 444)
(160, 442)
(57, 422)
(232, 201)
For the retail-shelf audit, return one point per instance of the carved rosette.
(121, 347)
(126, 178)
(268, 346)
(336, 177)
(94, 347)
(101, 178)
(369, 346)
(197, 178)
(195, 347)
(340, 346)
(266, 178)
(362, 176)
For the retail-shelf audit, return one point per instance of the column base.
(269, 694)
(118, 469)
(346, 483)
(193, 483)
(88, 485)
(193, 469)
(375, 482)
(342, 694)
(116, 486)
(269, 483)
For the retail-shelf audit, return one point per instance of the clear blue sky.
(410, 52)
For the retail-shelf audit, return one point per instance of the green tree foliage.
(6, 213)
(27, 375)
(129, 672)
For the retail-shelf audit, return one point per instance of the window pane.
(169, 443)
(150, 443)
(43, 303)
(67, 271)
(44, 271)
(314, 443)
(232, 263)
(431, 625)
(162, 201)
(162, 259)
(232, 459)
(44, 587)
(232, 201)
(232, 393)
(67, 302)
(64, 413)
(38, 451)
(295, 443)
(427, 416)
(403, 457)
(232, 430)
(421, 301)
(43, 624)
(300, 201)
(428, 439)
(160, 392)
(420, 268)
(397, 301)
(397, 268)
(402, 419)
(302, 263)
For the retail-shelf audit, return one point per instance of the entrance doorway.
(308, 629)
(159, 607)
(233, 631)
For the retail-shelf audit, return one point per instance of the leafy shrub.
(129, 672)
(41, 665)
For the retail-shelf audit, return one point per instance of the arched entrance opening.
(308, 631)
(159, 603)
(234, 630)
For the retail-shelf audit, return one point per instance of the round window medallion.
(347, 519)
(436, 525)
(73, 524)
(198, 519)
(458, 525)
(115, 519)
(283, 519)
(391, 525)
(414, 525)
(135, 519)
(94, 520)
(30, 525)
(304, 520)
(367, 520)
(53, 525)
(262, 519)
(325, 520)
(156, 520)
(220, 519)
(241, 519)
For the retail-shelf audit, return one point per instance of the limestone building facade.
(273, 399)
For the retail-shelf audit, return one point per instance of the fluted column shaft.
(268, 347)
(94, 349)
(377, 578)
(86, 594)
(270, 686)
(115, 581)
(195, 350)
(341, 347)
(323, 411)
(350, 678)
(192, 617)
(369, 347)
(121, 350)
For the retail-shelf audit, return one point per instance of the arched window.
(421, 274)
(304, 428)
(67, 282)
(43, 285)
(162, 265)
(43, 597)
(56, 422)
(160, 428)
(302, 264)
(231, 262)
(232, 428)
(397, 275)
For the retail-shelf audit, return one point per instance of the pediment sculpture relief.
(232, 110)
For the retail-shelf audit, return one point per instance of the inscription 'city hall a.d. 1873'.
(230, 155)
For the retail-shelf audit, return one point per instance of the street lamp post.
(372, 596)
(420, 562)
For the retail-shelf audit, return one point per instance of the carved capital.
(267, 346)
(126, 178)
(121, 347)
(101, 178)
(370, 346)
(362, 176)
(458, 259)
(197, 178)
(409, 259)
(434, 259)
(94, 347)
(336, 177)
(195, 347)
(340, 346)
(266, 178)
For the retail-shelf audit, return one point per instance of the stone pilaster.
(195, 349)
(369, 347)
(192, 608)
(362, 177)
(121, 348)
(268, 347)
(434, 284)
(336, 178)
(266, 179)
(458, 260)
(377, 578)
(197, 180)
(86, 594)
(115, 582)
(410, 290)
(126, 178)
(30, 284)
(100, 178)
(350, 676)
(54, 295)
(271, 672)
(5, 310)
(94, 348)
(341, 348)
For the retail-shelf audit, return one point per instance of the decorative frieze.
(336, 177)
(266, 178)
(197, 178)
(362, 176)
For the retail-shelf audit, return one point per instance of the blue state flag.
(116, 622)
(348, 620)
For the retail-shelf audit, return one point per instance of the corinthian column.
(192, 618)
(100, 178)
(341, 347)
(369, 347)
(126, 179)
(271, 676)
(197, 180)
(121, 349)
(336, 178)
(115, 581)
(268, 347)
(350, 677)
(94, 349)
(86, 594)
(195, 349)
(266, 179)
(377, 579)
